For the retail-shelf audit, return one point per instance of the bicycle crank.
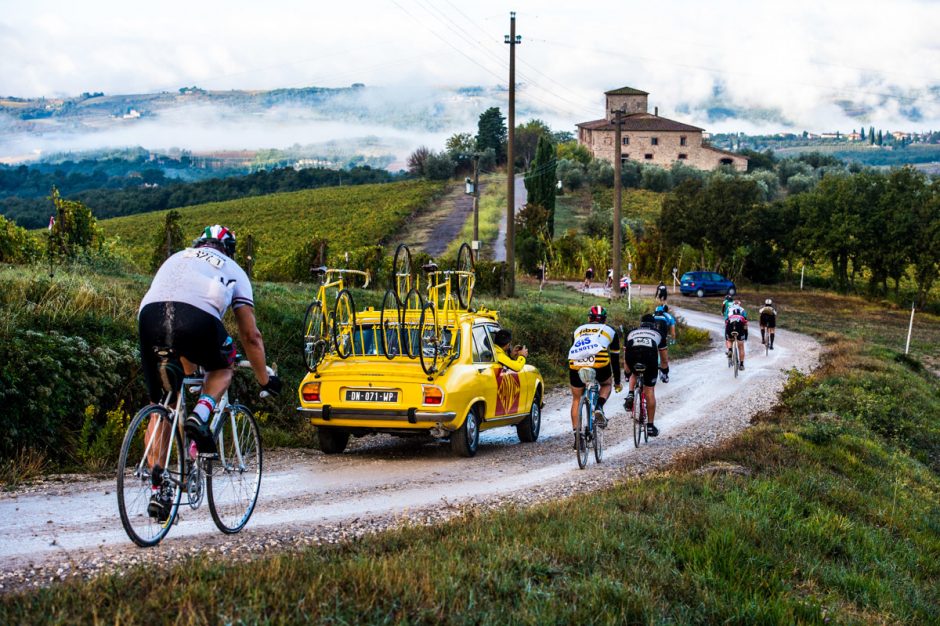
(194, 486)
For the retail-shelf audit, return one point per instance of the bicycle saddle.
(319, 271)
(429, 267)
(639, 368)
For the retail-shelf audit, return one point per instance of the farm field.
(350, 217)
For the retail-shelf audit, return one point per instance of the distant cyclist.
(729, 300)
(643, 345)
(736, 321)
(588, 277)
(596, 345)
(768, 323)
(667, 328)
(661, 292)
(183, 311)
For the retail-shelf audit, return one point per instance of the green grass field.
(349, 217)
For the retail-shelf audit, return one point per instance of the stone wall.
(630, 104)
(667, 151)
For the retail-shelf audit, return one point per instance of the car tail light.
(691, 284)
(432, 395)
(310, 392)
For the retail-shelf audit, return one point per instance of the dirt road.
(55, 528)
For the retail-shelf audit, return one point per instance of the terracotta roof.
(708, 146)
(626, 91)
(642, 122)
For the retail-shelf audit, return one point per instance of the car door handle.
(481, 370)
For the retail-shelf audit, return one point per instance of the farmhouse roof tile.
(642, 122)
(626, 91)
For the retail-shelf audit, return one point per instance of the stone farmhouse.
(648, 138)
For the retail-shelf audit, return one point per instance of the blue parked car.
(705, 283)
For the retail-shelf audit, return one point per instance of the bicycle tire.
(401, 270)
(767, 345)
(390, 298)
(645, 419)
(429, 345)
(465, 279)
(315, 345)
(598, 443)
(735, 358)
(134, 481)
(413, 301)
(638, 426)
(231, 485)
(344, 323)
(584, 419)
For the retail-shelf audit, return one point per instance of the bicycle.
(325, 330)
(639, 413)
(396, 303)
(436, 332)
(588, 433)
(735, 359)
(229, 479)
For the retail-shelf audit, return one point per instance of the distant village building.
(649, 138)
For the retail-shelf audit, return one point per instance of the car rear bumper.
(328, 413)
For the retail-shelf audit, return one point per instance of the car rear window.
(688, 276)
(367, 340)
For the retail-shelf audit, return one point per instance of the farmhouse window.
(654, 141)
(626, 141)
(682, 141)
(648, 156)
(683, 156)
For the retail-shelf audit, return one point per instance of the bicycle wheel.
(644, 419)
(413, 304)
(767, 345)
(584, 419)
(134, 477)
(233, 479)
(390, 302)
(638, 426)
(735, 358)
(465, 277)
(429, 348)
(401, 270)
(598, 437)
(344, 323)
(315, 344)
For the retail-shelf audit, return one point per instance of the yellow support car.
(378, 388)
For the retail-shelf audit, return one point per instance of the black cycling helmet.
(218, 237)
(648, 321)
(597, 314)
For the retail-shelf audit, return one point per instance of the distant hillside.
(349, 217)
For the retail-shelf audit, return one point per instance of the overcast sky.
(796, 57)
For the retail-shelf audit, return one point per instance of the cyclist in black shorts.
(661, 292)
(768, 323)
(597, 345)
(642, 345)
(182, 312)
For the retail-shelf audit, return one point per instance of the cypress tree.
(541, 178)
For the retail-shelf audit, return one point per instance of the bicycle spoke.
(233, 481)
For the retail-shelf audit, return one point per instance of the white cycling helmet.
(768, 302)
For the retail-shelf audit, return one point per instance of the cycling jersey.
(202, 277)
(595, 345)
(661, 292)
(665, 320)
(768, 316)
(642, 346)
(736, 324)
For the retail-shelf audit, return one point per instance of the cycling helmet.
(648, 321)
(218, 237)
(662, 308)
(729, 298)
(597, 314)
(768, 302)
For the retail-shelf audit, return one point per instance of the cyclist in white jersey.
(182, 311)
(596, 345)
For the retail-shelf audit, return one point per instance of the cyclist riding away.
(588, 277)
(182, 311)
(768, 322)
(667, 328)
(729, 300)
(597, 345)
(736, 321)
(643, 345)
(661, 292)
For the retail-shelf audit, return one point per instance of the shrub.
(439, 166)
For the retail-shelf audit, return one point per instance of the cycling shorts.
(738, 327)
(648, 357)
(768, 321)
(191, 332)
(604, 374)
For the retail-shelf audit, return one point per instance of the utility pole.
(476, 198)
(618, 199)
(513, 40)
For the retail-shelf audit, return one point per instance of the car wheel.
(332, 440)
(465, 441)
(700, 293)
(732, 291)
(528, 429)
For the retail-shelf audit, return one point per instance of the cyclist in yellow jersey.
(597, 345)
